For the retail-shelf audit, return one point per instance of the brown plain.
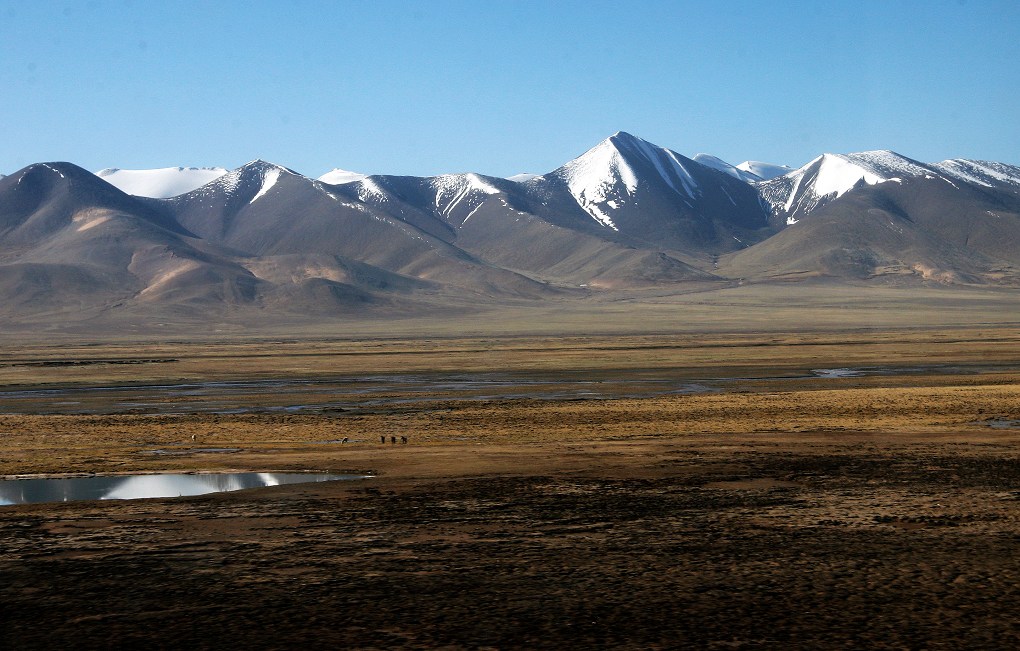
(785, 511)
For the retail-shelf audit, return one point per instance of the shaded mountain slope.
(44, 198)
(72, 241)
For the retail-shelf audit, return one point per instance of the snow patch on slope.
(690, 185)
(161, 183)
(888, 164)
(986, 173)
(370, 190)
(229, 182)
(667, 165)
(453, 190)
(53, 169)
(268, 181)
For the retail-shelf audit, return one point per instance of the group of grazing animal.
(393, 439)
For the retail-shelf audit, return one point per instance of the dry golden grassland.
(775, 392)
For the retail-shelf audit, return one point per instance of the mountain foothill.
(625, 217)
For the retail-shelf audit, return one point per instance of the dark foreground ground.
(857, 542)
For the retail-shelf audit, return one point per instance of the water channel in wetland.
(366, 393)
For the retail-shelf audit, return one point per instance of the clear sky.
(501, 87)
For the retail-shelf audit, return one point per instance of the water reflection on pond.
(129, 487)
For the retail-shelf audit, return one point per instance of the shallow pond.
(130, 487)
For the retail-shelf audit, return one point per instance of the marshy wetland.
(841, 489)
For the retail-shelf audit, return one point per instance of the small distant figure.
(193, 437)
(343, 440)
(403, 439)
(393, 440)
(382, 439)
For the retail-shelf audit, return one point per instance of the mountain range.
(625, 216)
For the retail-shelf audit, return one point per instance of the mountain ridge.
(624, 216)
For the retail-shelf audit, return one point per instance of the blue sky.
(501, 87)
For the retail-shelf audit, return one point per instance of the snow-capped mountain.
(648, 193)
(337, 176)
(246, 184)
(830, 176)
(522, 177)
(721, 165)
(160, 183)
(624, 215)
(764, 171)
(925, 228)
(452, 198)
(603, 178)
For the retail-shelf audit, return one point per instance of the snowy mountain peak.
(668, 165)
(836, 174)
(111, 170)
(337, 176)
(830, 176)
(719, 164)
(523, 177)
(621, 153)
(764, 171)
(256, 177)
(606, 177)
(160, 183)
(600, 178)
(623, 136)
(259, 165)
